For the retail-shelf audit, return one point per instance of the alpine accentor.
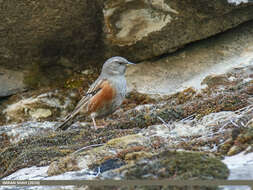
(105, 95)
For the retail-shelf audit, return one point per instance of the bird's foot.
(99, 127)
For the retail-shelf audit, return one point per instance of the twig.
(98, 173)
(188, 117)
(164, 123)
(221, 128)
(244, 108)
(234, 123)
(86, 147)
(247, 124)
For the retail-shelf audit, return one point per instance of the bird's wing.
(94, 89)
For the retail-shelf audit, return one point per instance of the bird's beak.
(130, 63)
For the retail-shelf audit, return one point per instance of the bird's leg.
(94, 123)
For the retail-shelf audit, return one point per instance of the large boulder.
(50, 39)
(11, 82)
(145, 29)
(199, 64)
(136, 29)
(48, 29)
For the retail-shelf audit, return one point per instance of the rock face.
(48, 29)
(52, 39)
(11, 82)
(42, 32)
(194, 63)
(39, 107)
(144, 29)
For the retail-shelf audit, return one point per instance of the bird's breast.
(109, 98)
(103, 98)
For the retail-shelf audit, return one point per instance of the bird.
(105, 95)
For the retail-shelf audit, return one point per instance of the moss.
(249, 89)
(239, 143)
(135, 156)
(234, 150)
(5, 141)
(65, 164)
(178, 165)
(33, 78)
(124, 141)
(78, 80)
(226, 146)
(197, 105)
(40, 75)
(52, 146)
(185, 95)
(137, 98)
(122, 154)
(74, 83)
(223, 102)
(127, 155)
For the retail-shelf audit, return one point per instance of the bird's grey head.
(115, 66)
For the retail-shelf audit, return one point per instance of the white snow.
(40, 173)
(237, 2)
(240, 166)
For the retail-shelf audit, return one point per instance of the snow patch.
(40, 173)
(237, 2)
(240, 166)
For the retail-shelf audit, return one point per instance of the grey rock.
(91, 31)
(11, 82)
(47, 29)
(147, 28)
(189, 67)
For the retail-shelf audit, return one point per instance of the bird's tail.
(70, 118)
(66, 123)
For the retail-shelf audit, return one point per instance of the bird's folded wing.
(94, 89)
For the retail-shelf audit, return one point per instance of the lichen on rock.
(130, 21)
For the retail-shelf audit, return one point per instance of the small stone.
(53, 169)
(65, 62)
(234, 150)
(134, 156)
(87, 72)
(11, 82)
(40, 113)
(64, 164)
(250, 124)
(215, 80)
(235, 133)
(249, 90)
(110, 164)
(128, 141)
